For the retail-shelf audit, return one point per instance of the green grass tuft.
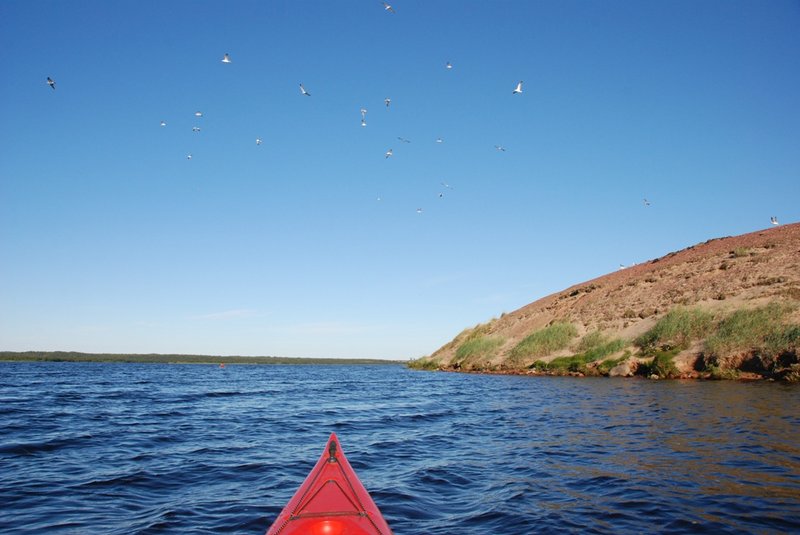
(676, 329)
(545, 341)
(476, 352)
(758, 330)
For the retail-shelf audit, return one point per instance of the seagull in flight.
(226, 58)
(387, 7)
(517, 89)
(404, 140)
(163, 123)
(774, 220)
(51, 83)
(198, 114)
(500, 148)
(258, 141)
(446, 185)
(419, 210)
(188, 156)
(195, 129)
(448, 65)
(387, 101)
(389, 153)
(646, 202)
(303, 91)
(439, 140)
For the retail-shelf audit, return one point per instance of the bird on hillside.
(387, 7)
(388, 153)
(51, 83)
(774, 220)
(517, 89)
(303, 91)
(226, 58)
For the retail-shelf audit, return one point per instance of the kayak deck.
(331, 501)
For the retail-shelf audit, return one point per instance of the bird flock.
(517, 90)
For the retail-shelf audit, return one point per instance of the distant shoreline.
(71, 356)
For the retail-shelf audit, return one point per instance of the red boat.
(331, 501)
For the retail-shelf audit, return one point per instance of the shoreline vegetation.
(155, 358)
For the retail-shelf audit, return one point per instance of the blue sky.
(111, 240)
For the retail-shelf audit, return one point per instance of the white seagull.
(195, 129)
(448, 65)
(387, 101)
(188, 156)
(198, 114)
(303, 91)
(517, 89)
(258, 141)
(419, 210)
(500, 148)
(439, 140)
(51, 83)
(446, 185)
(388, 153)
(774, 220)
(646, 202)
(163, 123)
(387, 7)
(226, 58)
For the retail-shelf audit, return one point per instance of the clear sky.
(311, 244)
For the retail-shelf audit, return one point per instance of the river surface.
(190, 449)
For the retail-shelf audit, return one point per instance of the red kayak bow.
(331, 501)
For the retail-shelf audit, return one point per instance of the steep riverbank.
(724, 309)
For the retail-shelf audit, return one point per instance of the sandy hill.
(691, 310)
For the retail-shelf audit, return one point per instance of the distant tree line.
(72, 356)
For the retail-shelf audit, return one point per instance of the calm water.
(127, 448)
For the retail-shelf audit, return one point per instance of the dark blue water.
(126, 448)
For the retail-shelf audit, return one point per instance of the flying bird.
(51, 83)
(258, 141)
(188, 156)
(226, 58)
(388, 153)
(439, 140)
(446, 185)
(404, 140)
(303, 91)
(774, 220)
(163, 123)
(387, 101)
(387, 7)
(448, 65)
(195, 129)
(646, 202)
(517, 89)
(419, 210)
(500, 148)
(198, 114)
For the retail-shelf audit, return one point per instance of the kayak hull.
(331, 501)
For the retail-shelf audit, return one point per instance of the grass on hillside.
(544, 342)
(476, 352)
(759, 331)
(577, 363)
(677, 328)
